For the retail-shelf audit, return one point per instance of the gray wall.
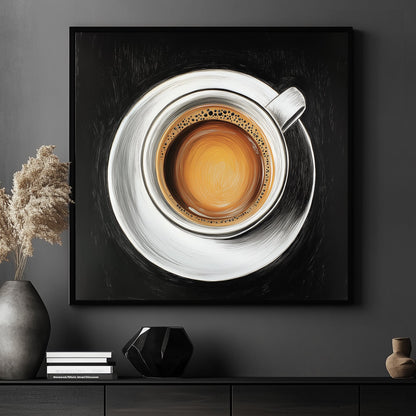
(236, 340)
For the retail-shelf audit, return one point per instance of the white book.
(79, 369)
(76, 360)
(78, 354)
(82, 376)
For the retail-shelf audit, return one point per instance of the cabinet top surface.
(223, 381)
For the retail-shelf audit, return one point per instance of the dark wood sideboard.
(211, 397)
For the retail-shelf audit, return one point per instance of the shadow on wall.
(210, 360)
(358, 154)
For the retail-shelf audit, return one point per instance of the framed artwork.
(210, 165)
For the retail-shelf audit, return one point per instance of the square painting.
(210, 165)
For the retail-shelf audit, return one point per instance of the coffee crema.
(214, 165)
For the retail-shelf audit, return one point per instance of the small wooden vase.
(399, 364)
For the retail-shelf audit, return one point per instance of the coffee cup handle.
(287, 107)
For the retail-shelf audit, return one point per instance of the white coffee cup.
(272, 119)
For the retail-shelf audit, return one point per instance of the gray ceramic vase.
(24, 330)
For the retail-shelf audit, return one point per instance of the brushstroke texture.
(179, 251)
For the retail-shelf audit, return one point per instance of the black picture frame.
(112, 67)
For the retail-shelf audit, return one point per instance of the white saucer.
(179, 251)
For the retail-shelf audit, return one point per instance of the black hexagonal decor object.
(159, 351)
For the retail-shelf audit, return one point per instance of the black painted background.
(112, 70)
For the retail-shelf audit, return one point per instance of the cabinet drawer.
(388, 400)
(299, 400)
(176, 400)
(51, 400)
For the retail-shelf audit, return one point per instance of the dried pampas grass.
(38, 207)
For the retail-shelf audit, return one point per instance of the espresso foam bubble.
(197, 116)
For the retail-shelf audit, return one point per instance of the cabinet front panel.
(298, 400)
(388, 400)
(54, 400)
(176, 400)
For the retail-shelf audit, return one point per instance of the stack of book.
(80, 366)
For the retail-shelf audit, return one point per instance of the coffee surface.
(214, 166)
(215, 169)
